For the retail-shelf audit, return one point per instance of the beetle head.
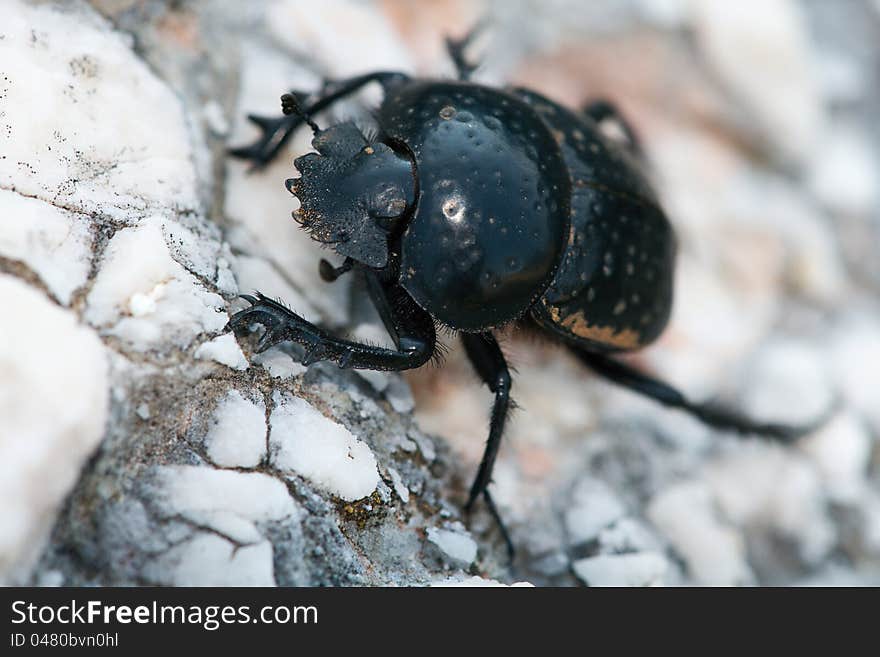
(352, 193)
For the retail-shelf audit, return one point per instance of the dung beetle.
(473, 208)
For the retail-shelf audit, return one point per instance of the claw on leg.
(275, 131)
(270, 314)
(282, 324)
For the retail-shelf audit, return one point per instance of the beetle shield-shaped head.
(352, 192)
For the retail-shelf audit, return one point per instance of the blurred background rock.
(758, 121)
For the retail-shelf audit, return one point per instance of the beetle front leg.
(486, 357)
(415, 345)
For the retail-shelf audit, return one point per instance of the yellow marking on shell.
(577, 324)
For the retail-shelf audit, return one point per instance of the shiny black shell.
(492, 215)
(613, 290)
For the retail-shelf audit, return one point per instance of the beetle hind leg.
(486, 357)
(456, 48)
(715, 416)
(603, 110)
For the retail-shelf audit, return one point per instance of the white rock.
(346, 37)
(853, 353)
(231, 526)
(628, 535)
(305, 442)
(758, 46)
(477, 582)
(554, 407)
(668, 14)
(842, 451)
(638, 569)
(763, 486)
(594, 506)
(841, 78)
(147, 299)
(198, 251)
(279, 364)
(871, 521)
(399, 394)
(715, 554)
(377, 379)
(458, 546)
(215, 118)
(231, 504)
(237, 438)
(50, 578)
(787, 383)
(113, 138)
(787, 221)
(193, 491)
(143, 411)
(54, 395)
(225, 350)
(141, 304)
(426, 446)
(209, 560)
(708, 335)
(225, 280)
(54, 243)
(399, 485)
(845, 173)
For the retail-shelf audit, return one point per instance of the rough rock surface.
(141, 445)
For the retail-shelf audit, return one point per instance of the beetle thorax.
(492, 215)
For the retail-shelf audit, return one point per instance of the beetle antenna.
(290, 105)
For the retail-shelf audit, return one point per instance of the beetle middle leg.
(276, 131)
(414, 334)
(329, 273)
(486, 357)
(715, 416)
(602, 110)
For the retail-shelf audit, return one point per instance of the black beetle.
(474, 207)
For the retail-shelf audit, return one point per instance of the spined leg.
(601, 110)
(415, 341)
(721, 418)
(486, 357)
(456, 48)
(329, 273)
(276, 131)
